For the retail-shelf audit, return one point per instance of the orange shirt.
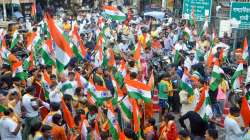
(58, 133)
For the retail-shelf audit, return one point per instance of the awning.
(21, 1)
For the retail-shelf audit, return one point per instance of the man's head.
(211, 134)
(57, 119)
(8, 112)
(46, 129)
(235, 111)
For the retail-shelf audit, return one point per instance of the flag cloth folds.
(216, 76)
(62, 50)
(245, 111)
(138, 90)
(67, 115)
(28, 63)
(113, 124)
(235, 79)
(18, 72)
(185, 83)
(15, 39)
(110, 12)
(46, 53)
(126, 108)
(203, 106)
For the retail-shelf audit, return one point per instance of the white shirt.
(27, 103)
(179, 47)
(70, 90)
(232, 130)
(55, 96)
(7, 127)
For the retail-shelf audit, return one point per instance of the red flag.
(245, 112)
(67, 115)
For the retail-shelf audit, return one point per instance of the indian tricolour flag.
(99, 93)
(46, 53)
(34, 42)
(110, 12)
(28, 63)
(113, 124)
(15, 39)
(62, 50)
(203, 107)
(46, 83)
(99, 57)
(185, 83)
(138, 90)
(76, 40)
(245, 50)
(126, 108)
(235, 80)
(205, 28)
(118, 95)
(216, 76)
(17, 70)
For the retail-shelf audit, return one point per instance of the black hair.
(152, 121)
(56, 118)
(35, 127)
(45, 128)
(78, 90)
(54, 106)
(169, 116)
(213, 133)
(131, 63)
(133, 75)
(8, 111)
(234, 110)
(184, 133)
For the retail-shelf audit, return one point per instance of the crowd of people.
(95, 77)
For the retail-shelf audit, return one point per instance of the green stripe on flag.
(66, 86)
(126, 110)
(186, 87)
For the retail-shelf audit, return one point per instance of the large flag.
(15, 39)
(126, 108)
(67, 115)
(245, 111)
(216, 76)
(28, 63)
(137, 55)
(78, 43)
(185, 83)
(204, 28)
(113, 124)
(245, 50)
(99, 93)
(46, 53)
(138, 90)
(203, 106)
(177, 57)
(118, 95)
(17, 70)
(235, 80)
(113, 13)
(99, 57)
(46, 83)
(62, 50)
